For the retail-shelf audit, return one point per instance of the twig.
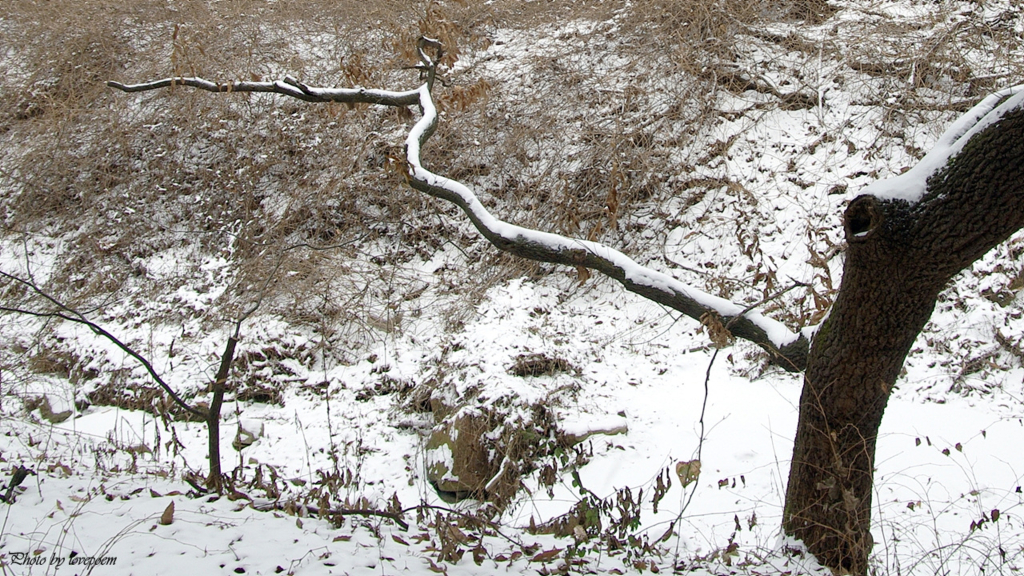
(768, 298)
(492, 525)
(363, 512)
(96, 329)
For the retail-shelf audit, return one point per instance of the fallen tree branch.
(787, 349)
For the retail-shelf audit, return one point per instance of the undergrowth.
(645, 125)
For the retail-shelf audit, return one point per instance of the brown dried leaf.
(457, 535)
(688, 472)
(547, 555)
(168, 516)
(584, 274)
(717, 332)
(479, 555)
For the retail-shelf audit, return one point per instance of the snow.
(946, 458)
(583, 425)
(109, 504)
(912, 184)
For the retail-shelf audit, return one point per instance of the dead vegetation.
(607, 127)
(252, 181)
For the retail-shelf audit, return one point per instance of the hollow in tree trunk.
(900, 255)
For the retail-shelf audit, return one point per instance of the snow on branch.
(288, 87)
(788, 349)
(912, 184)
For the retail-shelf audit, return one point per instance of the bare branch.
(287, 87)
(395, 517)
(113, 339)
(788, 349)
(72, 315)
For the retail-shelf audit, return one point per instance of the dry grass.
(601, 129)
(594, 133)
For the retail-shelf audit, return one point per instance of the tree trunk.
(900, 255)
(215, 480)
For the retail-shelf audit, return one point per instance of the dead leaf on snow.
(547, 555)
(688, 472)
(168, 516)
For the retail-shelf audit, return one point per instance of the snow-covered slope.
(719, 150)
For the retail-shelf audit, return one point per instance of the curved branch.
(788, 349)
(287, 87)
(96, 329)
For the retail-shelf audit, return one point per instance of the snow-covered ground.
(942, 467)
(949, 474)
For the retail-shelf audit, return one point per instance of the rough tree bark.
(901, 253)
